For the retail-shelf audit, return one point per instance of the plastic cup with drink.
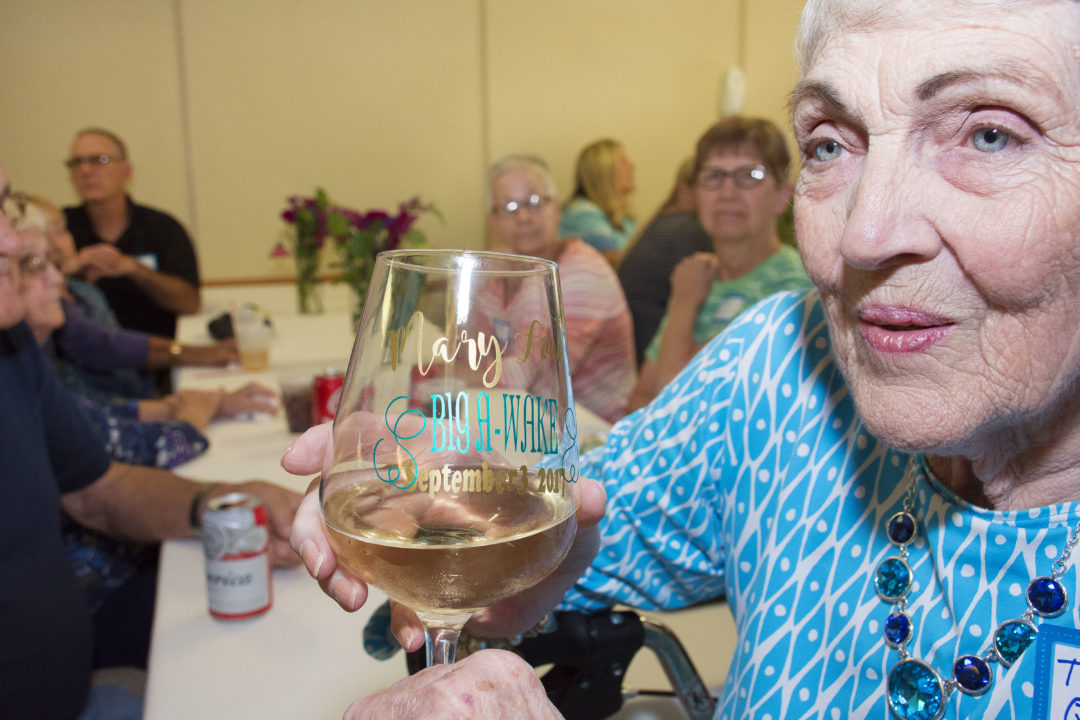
(253, 336)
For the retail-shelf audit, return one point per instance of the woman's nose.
(887, 220)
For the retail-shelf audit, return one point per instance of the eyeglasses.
(92, 160)
(512, 208)
(747, 177)
(33, 265)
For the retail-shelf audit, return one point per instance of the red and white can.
(325, 396)
(236, 541)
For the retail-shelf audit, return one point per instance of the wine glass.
(455, 466)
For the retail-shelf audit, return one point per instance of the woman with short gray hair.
(881, 475)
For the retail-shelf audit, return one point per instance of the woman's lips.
(894, 329)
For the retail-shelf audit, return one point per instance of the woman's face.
(938, 211)
(731, 214)
(41, 285)
(529, 230)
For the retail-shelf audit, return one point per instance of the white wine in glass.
(454, 480)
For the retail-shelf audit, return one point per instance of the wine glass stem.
(441, 634)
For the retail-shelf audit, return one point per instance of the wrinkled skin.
(488, 684)
(938, 212)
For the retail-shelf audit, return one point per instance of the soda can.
(236, 542)
(325, 396)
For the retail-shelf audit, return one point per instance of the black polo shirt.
(158, 241)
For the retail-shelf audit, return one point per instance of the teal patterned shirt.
(782, 270)
(751, 476)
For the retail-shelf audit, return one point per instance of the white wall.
(229, 106)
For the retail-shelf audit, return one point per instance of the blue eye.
(990, 140)
(826, 150)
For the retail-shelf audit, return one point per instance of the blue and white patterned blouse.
(751, 476)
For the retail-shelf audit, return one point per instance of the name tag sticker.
(1057, 673)
(148, 259)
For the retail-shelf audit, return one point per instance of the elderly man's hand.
(104, 260)
(487, 684)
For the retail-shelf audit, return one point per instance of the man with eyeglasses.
(741, 185)
(52, 461)
(141, 258)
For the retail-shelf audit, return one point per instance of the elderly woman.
(93, 355)
(523, 219)
(741, 186)
(882, 475)
(163, 432)
(598, 211)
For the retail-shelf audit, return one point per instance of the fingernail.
(313, 559)
(414, 638)
(286, 453)
(341, 588)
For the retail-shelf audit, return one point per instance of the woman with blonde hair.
(598, 211)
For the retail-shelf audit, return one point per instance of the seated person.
(141, 258)
(645, 269)
(160, 432)
(598, 211)
(523, 219)
(741, 185)
(52, 463)
(156, 433)
(93, 355)
(880, 474)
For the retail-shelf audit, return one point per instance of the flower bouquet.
(369, 233)
(309, 221)
(357, 237)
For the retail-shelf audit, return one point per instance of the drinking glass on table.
(454, 479)
(253, 337)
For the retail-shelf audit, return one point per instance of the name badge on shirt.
(149, 260)
(1057, 673)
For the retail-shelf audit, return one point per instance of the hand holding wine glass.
(453, 482)
(311, 454)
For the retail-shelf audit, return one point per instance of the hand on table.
(197, 407)
(487, 684)
(218, 354)
(311, 454)
(251, 398)
(281, 505)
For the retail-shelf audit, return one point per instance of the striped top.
(599, 331)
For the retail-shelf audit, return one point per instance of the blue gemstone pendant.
(892, 579)
(1011, 639)
(1047, 596)
(972, 674)
(897, 629)
(901, 528)
(915, 691)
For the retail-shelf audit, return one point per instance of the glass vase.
(308, 299)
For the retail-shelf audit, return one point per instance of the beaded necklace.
(914, 689)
